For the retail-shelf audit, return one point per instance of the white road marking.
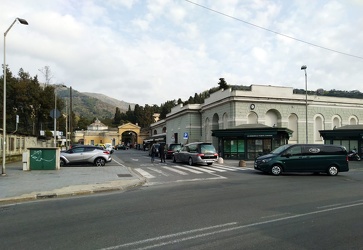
(202, 169)
(189, 169)
(215, 169)
(170, 239)
(158, 171)
(144, 173)
(228, 168)
(175, 170)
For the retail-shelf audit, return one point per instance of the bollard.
(242, 163)
(220, 160)
(25, 161)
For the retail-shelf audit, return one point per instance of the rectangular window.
(17, 143)
(12, 144)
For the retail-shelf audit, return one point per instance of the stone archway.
(129, 133)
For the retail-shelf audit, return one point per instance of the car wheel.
(100, 162)
(276, 170)
(333, 170)
(174, 160)
(190, 161)
(62, 162)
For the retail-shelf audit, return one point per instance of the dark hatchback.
(172, 148)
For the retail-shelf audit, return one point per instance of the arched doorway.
(129, 138)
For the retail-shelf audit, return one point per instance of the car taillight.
(200, 155)
(106, 152)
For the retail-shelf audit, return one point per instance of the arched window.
(155, 132)
(318, 125)
(207, 133)
(273, 118)
(336, 122)
(225, 121)
(293, 125)
(252, 118)
(353, 120)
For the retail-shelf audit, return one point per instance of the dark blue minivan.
(316, 158)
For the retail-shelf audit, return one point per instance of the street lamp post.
(22, 21)
(306, 102)
(55, 118)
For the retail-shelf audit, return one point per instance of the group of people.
(161, 153)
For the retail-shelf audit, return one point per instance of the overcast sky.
(149, 52)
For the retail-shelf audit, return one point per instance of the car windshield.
(280, 149)
(206, 148)
(175, 147)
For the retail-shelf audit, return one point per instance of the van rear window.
(206, 148)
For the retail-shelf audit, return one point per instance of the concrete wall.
(16, 145)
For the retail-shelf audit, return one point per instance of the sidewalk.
(19, 185)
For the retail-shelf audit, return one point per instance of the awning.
(156, 138)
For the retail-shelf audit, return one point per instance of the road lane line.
(228, 228)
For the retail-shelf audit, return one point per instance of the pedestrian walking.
(162, 152)
(153, 153)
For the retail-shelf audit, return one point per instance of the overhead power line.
(272, 31)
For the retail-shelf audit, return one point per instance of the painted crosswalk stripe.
(144, 173)
(176, 170)
(229, 168)
(202, 169)
(158, 171)
(215, 169)
(189, 169)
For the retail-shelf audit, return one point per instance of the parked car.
(172, 148)
(85, 154)
(330, 159)
(156, 146)
(196, 153)
(121, 146)
(109, 148)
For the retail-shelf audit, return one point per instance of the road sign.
(185, 136)
(56, 112)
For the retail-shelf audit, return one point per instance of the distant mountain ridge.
(92, 105)
(112, 101)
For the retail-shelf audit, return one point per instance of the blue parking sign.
(185, 136)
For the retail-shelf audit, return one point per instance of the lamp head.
(22, 21)
(303, 67)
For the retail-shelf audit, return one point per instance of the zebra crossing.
(151, 171)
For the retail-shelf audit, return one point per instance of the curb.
(77, 190)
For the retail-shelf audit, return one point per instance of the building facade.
(98, 133)
(243, 124)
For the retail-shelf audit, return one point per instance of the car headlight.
(266, 160)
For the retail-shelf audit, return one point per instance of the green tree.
(117, 118)
(223, 84)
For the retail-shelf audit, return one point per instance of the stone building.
(243, 124)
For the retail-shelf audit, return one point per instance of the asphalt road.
(242, 210)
